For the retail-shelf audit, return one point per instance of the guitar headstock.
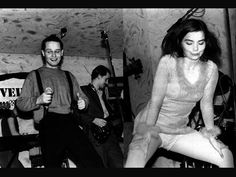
(104, 37)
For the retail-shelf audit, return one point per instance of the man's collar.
(92, 86)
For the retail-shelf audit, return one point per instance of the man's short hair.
(99, 70)
(52, 38)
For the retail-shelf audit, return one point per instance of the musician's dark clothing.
(57, 132)
(109, 151)
(65, 137)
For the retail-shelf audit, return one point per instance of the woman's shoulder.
(212, 69)
(211, 66)
(168, 59)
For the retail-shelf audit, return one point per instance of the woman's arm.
(211, 131)
(206, 103)
(158, 91)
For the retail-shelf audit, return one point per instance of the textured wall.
(232, 23)
(144, 30)
(216, 21)
(81, 67)
(214, 18)
(21, 30)
(137, 45)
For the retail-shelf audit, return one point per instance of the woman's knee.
(138, 142)
(227, 160)
(144, 139)
(144, 145)
(138, 150)
(144, 129)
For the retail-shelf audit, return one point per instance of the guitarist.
(96, 118)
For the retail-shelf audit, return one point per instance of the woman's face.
(193, 45)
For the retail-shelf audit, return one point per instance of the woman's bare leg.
(141, 149)
(196, 146)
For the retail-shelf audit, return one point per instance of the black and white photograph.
(117, 88)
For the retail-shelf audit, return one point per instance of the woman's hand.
(213, 132)
(217, 145)
(211, 135)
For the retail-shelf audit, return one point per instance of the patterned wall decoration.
(21, 30)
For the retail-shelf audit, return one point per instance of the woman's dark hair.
(51, 38)
(99, 70)
(171, 43)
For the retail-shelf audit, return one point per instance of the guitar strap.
(70, 85)
(40, 87)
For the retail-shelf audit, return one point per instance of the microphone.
(48, 91)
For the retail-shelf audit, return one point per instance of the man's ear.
(62, 52)
(43, 53)
(99, 76)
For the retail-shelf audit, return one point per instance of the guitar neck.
(111, 67)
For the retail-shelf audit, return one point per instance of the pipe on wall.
(231, 61)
